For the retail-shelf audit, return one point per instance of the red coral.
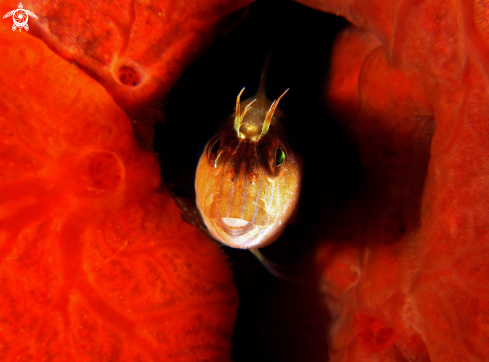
(419, 244)
(94, 263)
(136, 50)
(151, 41)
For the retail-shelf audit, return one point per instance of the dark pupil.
(279, 157)
(215, 146)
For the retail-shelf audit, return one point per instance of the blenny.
(248, 179)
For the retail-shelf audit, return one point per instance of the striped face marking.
(248, 180)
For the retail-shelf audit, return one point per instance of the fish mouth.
(235, 227)
(237, 217)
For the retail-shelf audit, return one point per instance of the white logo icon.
(20, 17)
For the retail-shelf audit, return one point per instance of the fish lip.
(234, 231)
(211, 213)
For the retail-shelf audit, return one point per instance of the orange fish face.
(248, 184)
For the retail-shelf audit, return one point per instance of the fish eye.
(215, 146)
(279, 157)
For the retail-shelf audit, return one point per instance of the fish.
(248, 178)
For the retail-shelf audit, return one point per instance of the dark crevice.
(300, 41)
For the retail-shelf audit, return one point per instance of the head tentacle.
(269, 116)
(237, 117)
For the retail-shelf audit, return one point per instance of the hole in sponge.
(102, 171)
(128, 76)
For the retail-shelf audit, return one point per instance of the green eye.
(279, 157)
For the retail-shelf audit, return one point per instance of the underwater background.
(105, 110)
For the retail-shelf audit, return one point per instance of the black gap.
(300, 41)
